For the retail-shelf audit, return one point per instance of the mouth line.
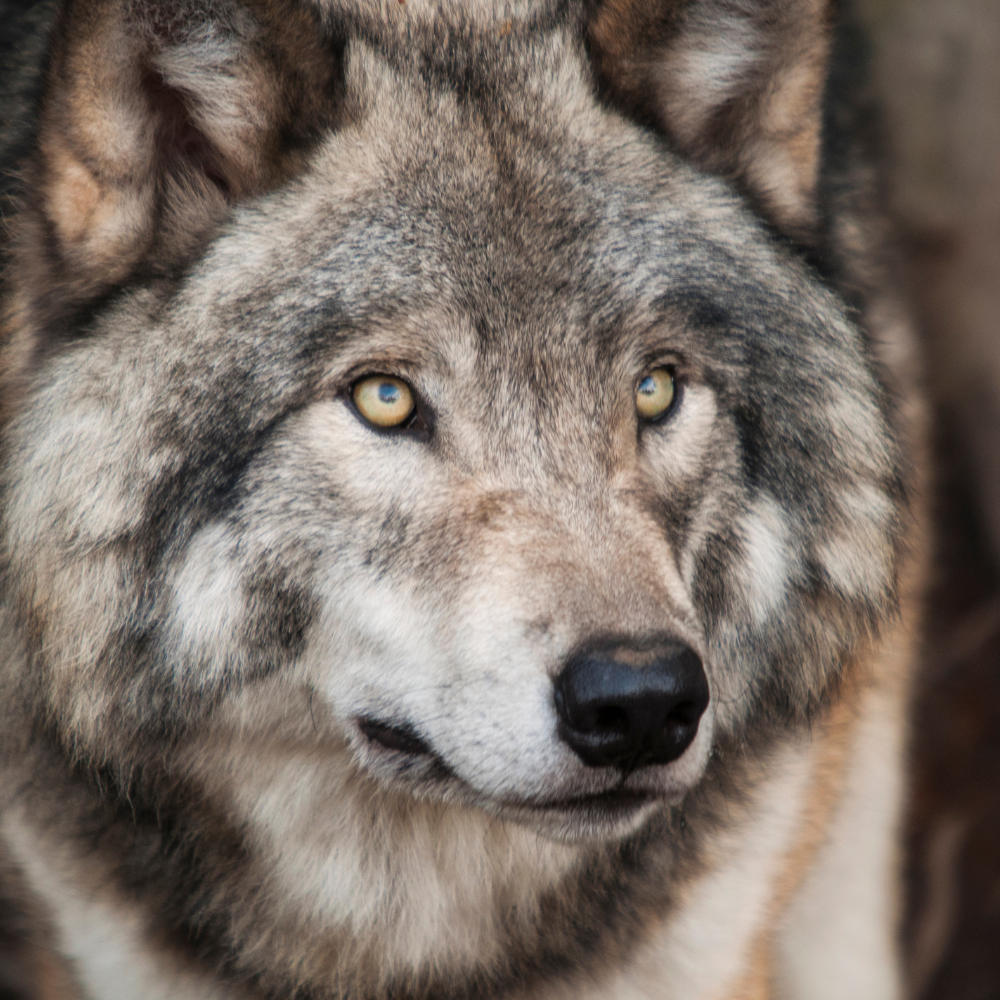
(393, 736)
(615, 800)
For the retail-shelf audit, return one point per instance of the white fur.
(838, 938)
(767, 566)
(208, 602)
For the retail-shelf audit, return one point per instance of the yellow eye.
(383, 400)
(655, 393)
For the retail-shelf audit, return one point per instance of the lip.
(602, 817)
(614, 805)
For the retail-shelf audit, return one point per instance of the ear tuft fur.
(736, 84)
(159, 114)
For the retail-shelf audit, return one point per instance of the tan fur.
(210, 609)
(760, 123)
(54, 981)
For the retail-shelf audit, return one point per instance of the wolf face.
(206, 541)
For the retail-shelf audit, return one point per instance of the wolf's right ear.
(157, 115)
(736, 85)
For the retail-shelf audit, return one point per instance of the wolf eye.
(655, 393)
(383, 400)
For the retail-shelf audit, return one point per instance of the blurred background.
(937, 68)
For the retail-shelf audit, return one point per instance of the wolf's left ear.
(737, 85)
(157, 116)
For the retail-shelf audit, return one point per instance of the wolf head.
(429, 406)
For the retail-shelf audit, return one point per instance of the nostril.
(685, 713)
(613, 713)
(611, 719)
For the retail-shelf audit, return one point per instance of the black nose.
(625, 707)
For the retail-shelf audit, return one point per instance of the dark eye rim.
(679, 384)
(419, 424)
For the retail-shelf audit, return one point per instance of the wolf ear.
(737, 85)
(157, 115)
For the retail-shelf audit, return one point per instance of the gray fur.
(211, 566)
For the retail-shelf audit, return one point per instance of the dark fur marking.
(281, 611)
(751, 429)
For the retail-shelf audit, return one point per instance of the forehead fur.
(508, 185)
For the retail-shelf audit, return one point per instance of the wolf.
(460, 501)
